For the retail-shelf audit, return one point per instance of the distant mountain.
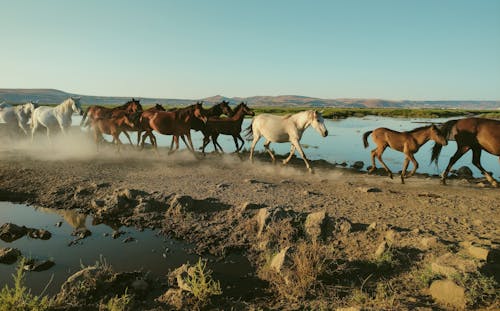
(52, 96)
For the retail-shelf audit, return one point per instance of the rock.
(464, 172)
(81, 233)
(116, 234)
(448, 293)
(358, 165)
(279, 259)
(372, 227)
(128, 239)
(59, 224)
(429, 242)
(369, 189)
(390, 236)
(9, 255)
(140, 285)
(39, 234)
(38, 266)
(10, 232)
(343, 225)
(315, 224)
(381, 249)
(477, 252)
(261, 217)
(181, 204)
(450, 264)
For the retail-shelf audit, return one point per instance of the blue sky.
(422, 50)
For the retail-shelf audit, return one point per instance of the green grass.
(199, 280)
(19, 298)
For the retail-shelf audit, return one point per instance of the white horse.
(19, 115)
(59, 115)
(281, 129)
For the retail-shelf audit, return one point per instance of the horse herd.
(474, 134)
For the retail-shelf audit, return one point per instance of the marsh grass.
(199, 280)
(19, 297)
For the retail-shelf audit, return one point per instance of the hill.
(52, 96)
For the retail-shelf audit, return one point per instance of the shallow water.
(146, 253)
(344, 144)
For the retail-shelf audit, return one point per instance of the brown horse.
(113, 126)
(407, 142)
(176, 123)
(214, 111)
(474, 134)
(226, 126)
(95, 112)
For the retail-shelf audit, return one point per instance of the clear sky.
(422, 50)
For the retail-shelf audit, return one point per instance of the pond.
(344, 144)
(148, 251)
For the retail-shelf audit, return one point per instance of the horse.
(59, 115)
(474, 134)
(227, 126)
(406, 142)
(214, 111)
(143, 125)
(94, 112)
(18, 115)
(281, 129)
(112, 126)
(177, 123)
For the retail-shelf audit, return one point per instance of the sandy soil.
(75, 177)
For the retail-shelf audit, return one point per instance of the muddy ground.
(381, 244)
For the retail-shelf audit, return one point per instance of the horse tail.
(365, 138)
(249, 132)
(446, 129)
(84, 116)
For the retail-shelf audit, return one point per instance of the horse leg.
(214, 139)
(476, 160)
(206, 141)
(292, 151)
(252, 147)
(461, 150)
(403, 172)
(236, 144)
(266, 145)
(242, 142)
(175, 139)
(33, 130)
(379, 157)
(415, 165)
(299, 148)
(190, 143)
(374, 167)
(139, 137)
(128, 136)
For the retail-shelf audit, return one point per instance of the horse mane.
(425, 127)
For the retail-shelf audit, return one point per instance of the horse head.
(75, 105)
(133, 105)
(318, 123)
(246, 110)
(159, 107)
(437, 135)
(225, 109)
(199, 112)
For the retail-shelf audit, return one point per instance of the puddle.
(147, 252)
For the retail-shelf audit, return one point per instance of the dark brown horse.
(476, 134)
(176, 123)
(214, 111)
(226, 126)
(407, 142)
(112, 126)
(95, 112)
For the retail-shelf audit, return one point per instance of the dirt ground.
(464, 211)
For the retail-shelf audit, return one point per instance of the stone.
(314, 225)
(358, 165)
(381, 249)
(10, 232)
(81, 233)
(429, 242)
(39, 234)
(390, 236)
(38, 266)
(448, 293)
(261, 217)
(128, 239)
(464, 172)
(477, 252)
(278, 261)
(372, 227)
(450, 264)
(9, 255)
(181, 204)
